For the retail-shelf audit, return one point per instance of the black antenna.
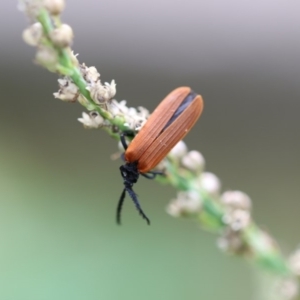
(119, 208)
(135, 200)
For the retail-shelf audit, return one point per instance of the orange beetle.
(168, 124)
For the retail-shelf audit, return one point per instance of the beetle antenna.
(135, 200)
(120, 205)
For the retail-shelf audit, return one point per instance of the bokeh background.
(59, 188)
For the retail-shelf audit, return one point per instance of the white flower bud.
(55, 7)
(91, 120)
(179, 150)
(68, 91)
(96, 92)
(236, 200)
(33, 34)
(31, 8)
(113, 107)
(90, 74)
(230, 241)
(111, 88)
(210, 182)
(294, 262)
(186, 203)
(62, 36)
(143, 112)
(102, 94)
(132, 112)
(237, 219)
(122, 107)
(139, 123)
(96, 118)
(161, 166)
(47, 57)
(133, 121)
(193, 161)
(135, 118)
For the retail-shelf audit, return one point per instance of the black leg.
(123, 141)
(122, 138)
(132, 195)
(152, 174)
(119, 208)
(148, 175)
(157, 173)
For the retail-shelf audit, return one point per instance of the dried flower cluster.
(191, 163)
(101, 94)
(236, 204)
(53, 47)
(237, 217)
(47, 43)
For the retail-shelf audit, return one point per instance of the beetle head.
(130, 173)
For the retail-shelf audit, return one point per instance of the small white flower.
(134, 123)
(210, 182)
(134, 119)
(112, 88)
(230, 241)
(47, 57)
(223, 244)
(139, 123)
(193, 161)
(91, 75)
(62, 36)
(237, 219)
(86, 119)
(188, 202)
(68, 90)
(55, 7)
(179, 150)
(113, 107)
(31, 7)
(101, 94)
(294, 262)
(143, 112)
(95, 90)
(122, 105)
(91, 120)
(33, 34)
(132, 112)
(161, 166)
(236, 200)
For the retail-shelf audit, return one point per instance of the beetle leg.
(122, 138)
(152, 174)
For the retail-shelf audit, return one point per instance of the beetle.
(167, 125)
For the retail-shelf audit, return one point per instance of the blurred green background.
(59, 188)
